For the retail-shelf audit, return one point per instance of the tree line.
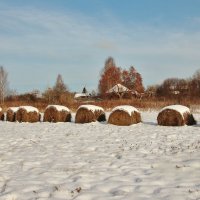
(110, 75)
(177, 88)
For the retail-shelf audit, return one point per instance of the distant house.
(81, 95)
(178, 90)
(118, 90)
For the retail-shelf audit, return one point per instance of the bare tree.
(3, 84)
(195, 84)
(59, 93)
(48, 95)
(197, 75)
(110, 62)
(60, 86)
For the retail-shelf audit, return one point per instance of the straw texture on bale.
(169, 117)
(84, 115)
(11, 115)
(22, 115)
(1, 115)
(52, 114)
(123, 118)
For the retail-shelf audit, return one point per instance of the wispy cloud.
(77, 45)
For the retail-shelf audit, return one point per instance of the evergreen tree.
(84, 90)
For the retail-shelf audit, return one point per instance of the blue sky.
(41, 39)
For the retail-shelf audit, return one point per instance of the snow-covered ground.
(99, 161)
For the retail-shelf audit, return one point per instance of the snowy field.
(99, 161)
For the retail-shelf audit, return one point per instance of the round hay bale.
(124, 116)
(1, 114)
(56, 113)
(11, 114)
(27, 114)
(89, 113)
(175, 115)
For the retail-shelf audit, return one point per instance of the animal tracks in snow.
(99, 161)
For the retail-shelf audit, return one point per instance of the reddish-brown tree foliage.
(132, 80)
(109, 78)
(112, 75)
(126, 79)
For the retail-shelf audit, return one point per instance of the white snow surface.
(179, 108)
(59, 108)
(14, 109)
(92, 108)
(29, 108)
(126, 108)
(99, 161)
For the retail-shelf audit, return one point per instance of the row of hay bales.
(175, 115)
(23, 114)
(53, 113)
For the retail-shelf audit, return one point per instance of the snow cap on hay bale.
(175, 115)
(1, 114)
(11, 114)
(57, 113)
(89, 113)
(27, 114)
(124, 116)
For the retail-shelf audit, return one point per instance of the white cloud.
(77, 45)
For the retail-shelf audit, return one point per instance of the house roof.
(79, 95)
(118, 89)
